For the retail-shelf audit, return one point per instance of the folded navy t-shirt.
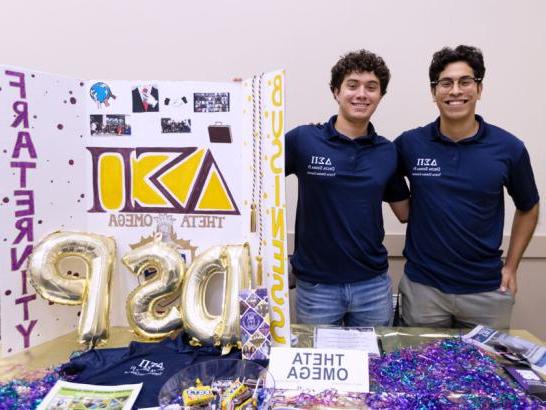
(149, 363)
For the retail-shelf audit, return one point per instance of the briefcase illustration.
(219, 132)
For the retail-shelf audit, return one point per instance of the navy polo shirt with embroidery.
(341, 186)
(456, 216)
(151, 364)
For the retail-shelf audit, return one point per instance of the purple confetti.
(448, 374)
(27, 393)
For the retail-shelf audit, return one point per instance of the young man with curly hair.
(458, 167)
(345, 170)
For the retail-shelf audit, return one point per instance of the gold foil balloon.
(92, 291)
(233, 261)
(141, 302)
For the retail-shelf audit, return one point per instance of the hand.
(509, 281)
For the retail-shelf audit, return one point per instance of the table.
(58, 351)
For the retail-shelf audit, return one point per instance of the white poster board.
(131, 159)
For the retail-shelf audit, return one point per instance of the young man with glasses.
(345, 170)
(458, 167)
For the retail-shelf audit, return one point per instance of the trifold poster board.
(133, 160)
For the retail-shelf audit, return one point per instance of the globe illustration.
(100, 92)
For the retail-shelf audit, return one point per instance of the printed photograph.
(109, 125)
(175, 101)
(145, 98)
(211, 102)
(174, 126)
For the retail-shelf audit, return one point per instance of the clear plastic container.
(215, 372)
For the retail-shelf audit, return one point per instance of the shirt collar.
(436, 134)
(332, 133)
(146, 87)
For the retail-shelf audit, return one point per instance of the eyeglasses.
(446, 84)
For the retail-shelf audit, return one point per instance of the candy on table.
(198, 395)
(249, 404)
(234, 395)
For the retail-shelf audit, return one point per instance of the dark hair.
(359, 62)
(470, 55)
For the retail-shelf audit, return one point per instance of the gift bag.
(219, 132)
(254, 320)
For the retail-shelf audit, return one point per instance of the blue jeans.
(365, 303)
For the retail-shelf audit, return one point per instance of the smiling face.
(457, 103)
(358, 97)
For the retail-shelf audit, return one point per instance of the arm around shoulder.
(401, 210)
(397, 194)
(290, 152)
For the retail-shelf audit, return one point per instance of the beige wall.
(219, 40)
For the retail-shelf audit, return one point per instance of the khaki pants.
(426, 306)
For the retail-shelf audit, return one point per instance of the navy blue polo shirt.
(341, 184)
(152, 364)
(456, 217)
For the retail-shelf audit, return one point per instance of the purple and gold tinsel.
(27, 392)
(448, 374)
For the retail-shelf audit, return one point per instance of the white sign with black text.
(320, 369)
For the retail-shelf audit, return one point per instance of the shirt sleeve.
(521, 183)
(399, 144)
(396, 189)
(290, 152)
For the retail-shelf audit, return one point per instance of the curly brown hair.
(359, 62)
(471, 55)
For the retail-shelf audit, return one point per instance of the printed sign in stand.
(320, 369)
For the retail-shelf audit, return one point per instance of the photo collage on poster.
(160, 118)
(117, 110)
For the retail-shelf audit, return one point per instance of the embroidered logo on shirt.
(321, 166)
(320, 160)
(426, 162)
(426, 167)
(146, 368)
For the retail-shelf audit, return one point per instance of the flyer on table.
(66, 395)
